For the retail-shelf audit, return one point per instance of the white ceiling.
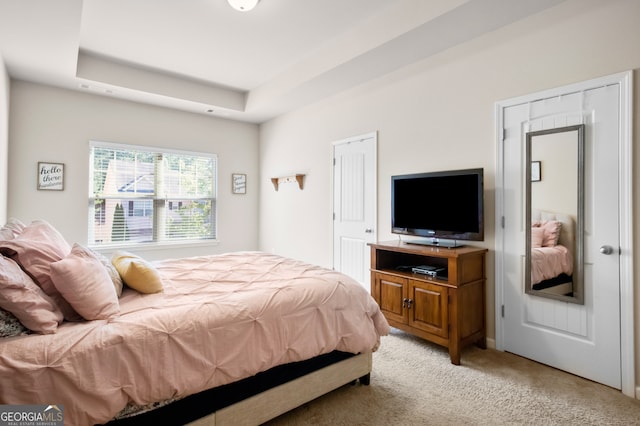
(205, 57)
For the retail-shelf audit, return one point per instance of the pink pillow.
(24, 299)
(84, 282)
(551, 232)
(537, 236)
(111, 270)
(11, 229)
(35, 249)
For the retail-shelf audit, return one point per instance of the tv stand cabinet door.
(391, 295)
(429, 308)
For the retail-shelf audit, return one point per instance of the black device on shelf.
(424, 270)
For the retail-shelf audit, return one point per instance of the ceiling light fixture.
(243, 5)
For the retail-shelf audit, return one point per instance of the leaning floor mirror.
(555, 213)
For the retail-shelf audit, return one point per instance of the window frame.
(160, 204)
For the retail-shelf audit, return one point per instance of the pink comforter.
(549, 262)
(220, 319)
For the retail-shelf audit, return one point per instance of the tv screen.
(446, 204)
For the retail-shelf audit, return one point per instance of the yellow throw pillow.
(137, 273)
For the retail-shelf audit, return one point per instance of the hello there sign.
(51, 176)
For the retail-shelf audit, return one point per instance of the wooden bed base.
(280, 399)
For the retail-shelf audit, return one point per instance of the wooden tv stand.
(447, 309)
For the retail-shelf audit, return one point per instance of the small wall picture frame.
(50, 176)
(239, 183)
(536, 174)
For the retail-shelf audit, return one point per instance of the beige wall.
(55, 125)
(4, 139)
(439, 114)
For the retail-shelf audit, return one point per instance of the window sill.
(153, 246)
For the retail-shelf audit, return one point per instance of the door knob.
(606, 249)
(368, 230)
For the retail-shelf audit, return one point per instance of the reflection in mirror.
(555, 213)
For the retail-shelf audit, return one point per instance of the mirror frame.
(578, 273)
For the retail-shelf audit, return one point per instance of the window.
(145, 195)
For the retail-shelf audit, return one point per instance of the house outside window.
(150, 195)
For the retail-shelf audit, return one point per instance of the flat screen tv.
(439, 205)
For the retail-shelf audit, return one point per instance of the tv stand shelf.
(447, 309)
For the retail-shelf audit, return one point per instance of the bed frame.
(263, 397)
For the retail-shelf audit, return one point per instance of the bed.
(177, 331)
(552, 248)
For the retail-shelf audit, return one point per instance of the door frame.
(625, 162)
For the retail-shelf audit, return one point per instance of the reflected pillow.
(551, 232)
(137, 273)
(85, 283)
(24, 299)
(537, 236)
(35, 249)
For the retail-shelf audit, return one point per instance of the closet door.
(354, 205)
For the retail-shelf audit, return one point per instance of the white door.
(582, 339)
(354, 204)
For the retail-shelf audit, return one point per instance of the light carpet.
(414, 383)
